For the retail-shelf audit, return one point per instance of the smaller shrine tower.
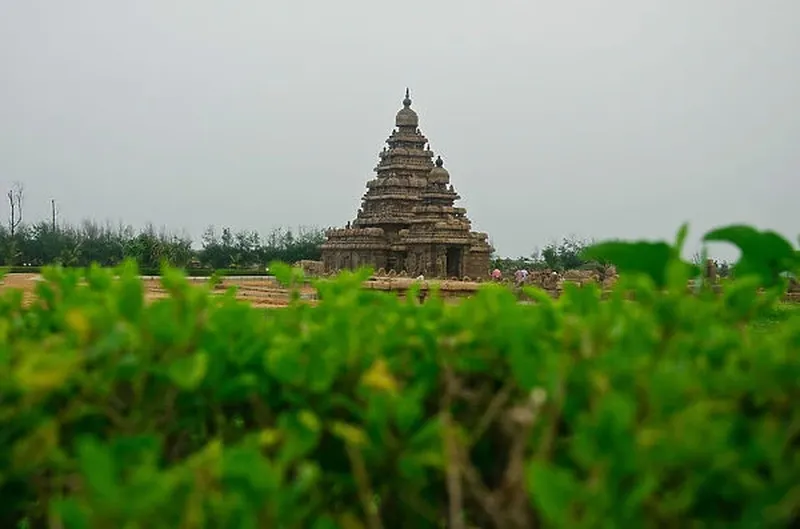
(408, 221)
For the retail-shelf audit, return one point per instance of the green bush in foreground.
(653, 408)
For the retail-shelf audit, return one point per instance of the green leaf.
(409, 407)
(428, 436)
(285, 274)
(348, 433)
(137, 450)
(348, 520)
(97, 466)
(321, 370)
(301, 433)
(34, 450)
(99, 279)
(307, 476)
(379, 377)
(325, 522)
(524, 363)
(286, 363)
(130, 299)
(282, 272)
(552, 490)
(39, 371)
(741, 298)
(678, 275)
(188, 372)
(642, 257)
(71, 514)
(680, 238)
(765, 254)
(216, 279)
(174, 280)
(238, 388)
(248, 466)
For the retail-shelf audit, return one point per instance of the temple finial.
(407, 100)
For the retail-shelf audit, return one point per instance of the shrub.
(654, 408)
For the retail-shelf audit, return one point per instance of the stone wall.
(312, 268)
(551, 283)
(333, 260)
(476, 265)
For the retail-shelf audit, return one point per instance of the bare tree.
(15, 196)
(53, 211)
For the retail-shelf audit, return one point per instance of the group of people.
(520, 276)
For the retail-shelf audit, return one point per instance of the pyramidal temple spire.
(408, 221)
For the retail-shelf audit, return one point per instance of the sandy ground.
(264, 292)
(260, 291)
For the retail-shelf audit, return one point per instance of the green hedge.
(653, 408)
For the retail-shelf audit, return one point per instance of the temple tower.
(408, 221)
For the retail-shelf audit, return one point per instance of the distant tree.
(15, 196)
(565, 255)
(213, 253)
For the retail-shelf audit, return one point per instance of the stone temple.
(407, 221)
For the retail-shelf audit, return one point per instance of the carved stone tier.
(407, 221)
(375, 220)
(398, 181)
(388, 195)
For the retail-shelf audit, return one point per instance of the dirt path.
(260, 291)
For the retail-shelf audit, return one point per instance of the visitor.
(497, 275)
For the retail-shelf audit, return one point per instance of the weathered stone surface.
(407, 220)
(312, 268)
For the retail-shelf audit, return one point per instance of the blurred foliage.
(656, 407)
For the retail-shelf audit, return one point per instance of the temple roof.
(439, 174)
(407, 117)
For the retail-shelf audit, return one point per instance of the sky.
(613, 119)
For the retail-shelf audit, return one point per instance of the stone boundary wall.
(547, 280)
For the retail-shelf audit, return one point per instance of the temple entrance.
(453, 264)
(396, 262)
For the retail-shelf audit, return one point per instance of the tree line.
(43, 244)
(49, 242)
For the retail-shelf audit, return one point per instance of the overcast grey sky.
(614, 118)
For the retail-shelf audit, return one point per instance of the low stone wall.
(312, 268)
(446, 289)
(551, 282)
